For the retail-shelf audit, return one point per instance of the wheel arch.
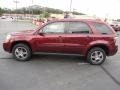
(22, 42)
(103, 46)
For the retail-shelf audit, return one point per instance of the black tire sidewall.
(93, 50)
(28, 51)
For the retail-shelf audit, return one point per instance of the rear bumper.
(113, 51)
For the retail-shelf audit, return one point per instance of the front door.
(51, 40)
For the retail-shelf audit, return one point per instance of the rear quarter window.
(103, 28)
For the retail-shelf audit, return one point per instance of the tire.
(21, 52)
(96, 56)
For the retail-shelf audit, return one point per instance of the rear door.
(78, 36)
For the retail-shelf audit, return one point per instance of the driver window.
(57, 27)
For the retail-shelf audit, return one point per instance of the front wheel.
(96, 56)
(21, 52)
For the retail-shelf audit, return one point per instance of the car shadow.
(50, 58)
(58, 58)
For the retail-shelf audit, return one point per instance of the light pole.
(16, 3)
(70, 6)
(32, 9)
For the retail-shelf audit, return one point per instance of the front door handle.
(60, 39)
(60, 36)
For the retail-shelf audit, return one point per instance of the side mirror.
(41, 34)
(117, 34)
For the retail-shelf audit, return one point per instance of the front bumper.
(7, 46)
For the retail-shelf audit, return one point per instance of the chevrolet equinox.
(90, 38)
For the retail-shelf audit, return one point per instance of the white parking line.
(82, 63)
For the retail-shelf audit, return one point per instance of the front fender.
(23, 39)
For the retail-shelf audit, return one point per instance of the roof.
(85, 20)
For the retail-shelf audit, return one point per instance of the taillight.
(116, 40)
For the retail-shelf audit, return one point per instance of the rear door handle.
(87, 36)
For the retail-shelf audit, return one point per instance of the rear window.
(102, 28)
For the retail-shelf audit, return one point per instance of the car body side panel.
(75, 43)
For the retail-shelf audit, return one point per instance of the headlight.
(8, 37)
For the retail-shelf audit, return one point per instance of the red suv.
(93, 39)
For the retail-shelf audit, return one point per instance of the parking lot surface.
(54, 72)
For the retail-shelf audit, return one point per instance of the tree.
(45, 15)
(36, 9)
(77, 13)
(6, 10)
(1, 11)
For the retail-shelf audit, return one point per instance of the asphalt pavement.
(54, 72)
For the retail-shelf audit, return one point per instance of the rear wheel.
(96, 56)
(21, 52)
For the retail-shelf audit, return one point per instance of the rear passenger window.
(102, 28)
(78, 28)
